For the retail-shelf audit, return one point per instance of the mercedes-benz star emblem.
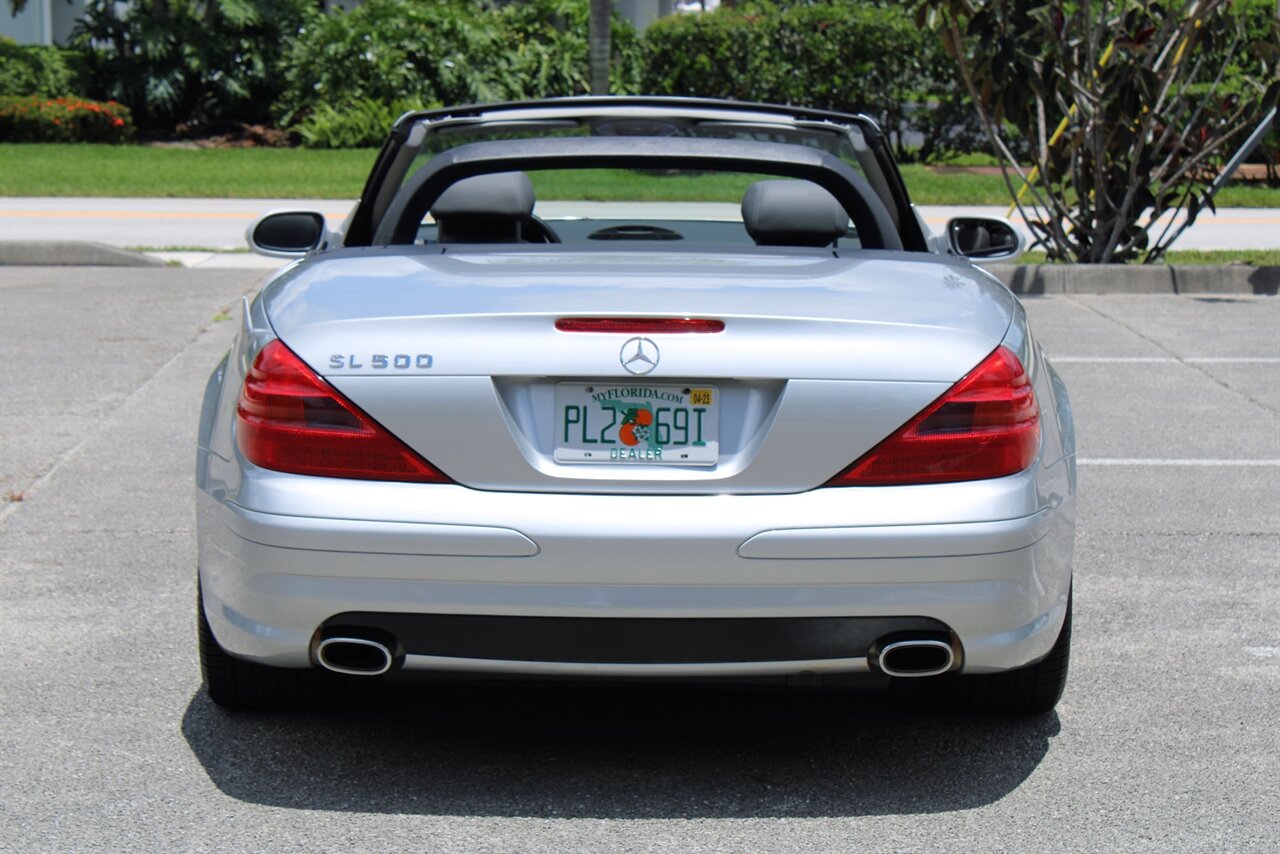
(639, 355)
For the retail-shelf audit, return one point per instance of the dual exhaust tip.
(912, 657)
(355, 656)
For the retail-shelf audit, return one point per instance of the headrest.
(792, 213)
(501, 194)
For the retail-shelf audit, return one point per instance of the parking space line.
(1166, 360)
(1131, 461)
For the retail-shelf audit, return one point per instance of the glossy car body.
(531, 559)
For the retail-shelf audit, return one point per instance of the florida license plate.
(634, 424)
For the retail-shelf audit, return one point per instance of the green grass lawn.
(934, 188)
(1197, 257)
(130, 170)
(110, 170)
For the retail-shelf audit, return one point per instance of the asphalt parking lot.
(1167, 738)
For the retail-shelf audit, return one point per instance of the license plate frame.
(633, 423)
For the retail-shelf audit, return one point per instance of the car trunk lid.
(458, 354)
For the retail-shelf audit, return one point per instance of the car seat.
(792, 213)
(495, 208)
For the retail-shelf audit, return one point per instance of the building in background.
(41, 21)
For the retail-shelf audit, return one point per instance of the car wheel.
(239, 685)
(1031, 690)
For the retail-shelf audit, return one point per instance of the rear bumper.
(271, 580)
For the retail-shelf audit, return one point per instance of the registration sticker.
(633, 424)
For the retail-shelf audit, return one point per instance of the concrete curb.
(1038, 279)
(70, 253)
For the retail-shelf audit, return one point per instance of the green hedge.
(188, 62)
(339, 79)
(37, 119)
(38, 70)
(846, 55)
(444, 52)
(357, 124)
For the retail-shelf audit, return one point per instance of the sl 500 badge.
(381, 362)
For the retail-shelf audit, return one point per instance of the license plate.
(633, 424)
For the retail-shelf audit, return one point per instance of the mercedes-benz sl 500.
(636, 388)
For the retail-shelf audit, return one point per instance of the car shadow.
(607, 752)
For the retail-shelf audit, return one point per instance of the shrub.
(359, 124)
(722, 54)
(445, 51)
(36, 119)
(1260, 41)
(37, 70)
(846, 56)
(1127, 137)
(188, 61)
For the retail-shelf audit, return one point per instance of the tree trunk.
(598, 40)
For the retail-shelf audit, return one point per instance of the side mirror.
(286, 234)
(985, 241)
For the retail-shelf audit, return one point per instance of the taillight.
(987, 425)
(289, 419)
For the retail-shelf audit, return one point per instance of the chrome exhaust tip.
(916, 658)
(354, 656)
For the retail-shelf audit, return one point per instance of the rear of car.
(602, 460)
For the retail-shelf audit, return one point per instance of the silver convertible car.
(636, 388)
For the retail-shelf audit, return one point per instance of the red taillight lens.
(291, 420)
(639, 325)
(987, 425)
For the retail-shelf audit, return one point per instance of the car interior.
(498, 208)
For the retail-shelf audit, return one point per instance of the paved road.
(1166, 739)
(220, 223)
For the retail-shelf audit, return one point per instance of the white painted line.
(1108, 360)
(1263, 651)
(1126, 461)
(1166, 360)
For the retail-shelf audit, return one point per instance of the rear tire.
(1031, 690)
(239, 685)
